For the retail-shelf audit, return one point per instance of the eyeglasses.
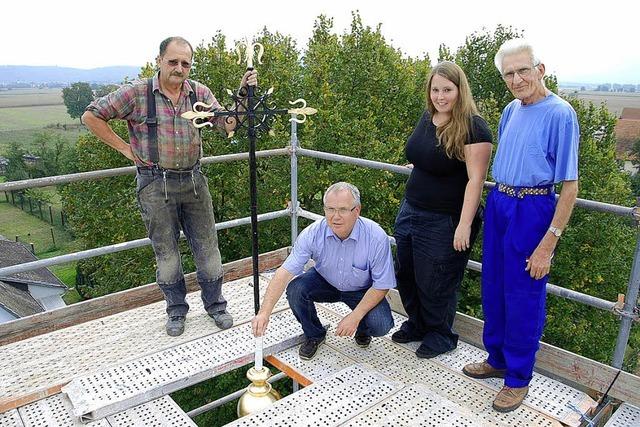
(341, 211)
(175, 62)
(522, 72)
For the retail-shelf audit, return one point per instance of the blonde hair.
(454, 134)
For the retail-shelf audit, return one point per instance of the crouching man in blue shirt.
(353, 264)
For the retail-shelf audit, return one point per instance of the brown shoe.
(482, 370)
(509, 398)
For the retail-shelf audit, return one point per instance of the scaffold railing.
(627, 312)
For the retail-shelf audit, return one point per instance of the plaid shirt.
(179, 143)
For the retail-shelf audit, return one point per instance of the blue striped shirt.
(360, 261)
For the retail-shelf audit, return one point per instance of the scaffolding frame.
(626, 312)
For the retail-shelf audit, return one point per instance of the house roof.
(627, 133)
(630, 113)
(14, 289)
(16, 299)
(12, 253)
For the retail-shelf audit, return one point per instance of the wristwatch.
(555, 231)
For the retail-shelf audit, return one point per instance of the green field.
(25, 138)
(29, 97)
(19, 118)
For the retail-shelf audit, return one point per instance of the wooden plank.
(84, 311)
(289, 370)
(557, 362)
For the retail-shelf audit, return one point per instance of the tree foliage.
(76, 98)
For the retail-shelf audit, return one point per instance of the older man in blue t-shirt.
(353, 264)
(538, 148)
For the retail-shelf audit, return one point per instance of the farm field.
(615, 101)
(35, 117)
(30, 97)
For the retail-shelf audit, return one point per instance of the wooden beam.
(107, 305)
(289, 370)
(559, 363)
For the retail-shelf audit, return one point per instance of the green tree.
(76, 98)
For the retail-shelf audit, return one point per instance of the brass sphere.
(259, 394)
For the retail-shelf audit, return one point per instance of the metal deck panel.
(546, 395)
(163, 412)
(417, 405)
(401, 364)
(330, 402)
(11, 419)
(112, 390)
(37, 363)
(56, 411)
(625, 416)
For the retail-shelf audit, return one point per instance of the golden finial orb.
(259, 394)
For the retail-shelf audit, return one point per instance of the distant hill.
(43, 74)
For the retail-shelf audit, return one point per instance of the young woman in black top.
(439, 217)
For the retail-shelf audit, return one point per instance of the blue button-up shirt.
(360, 261)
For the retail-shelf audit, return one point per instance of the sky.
(578, 41)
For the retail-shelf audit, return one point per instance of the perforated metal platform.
(114, 389)
(56, 411)
(34, 366)
(625, 416)
(424, 392)
(330, 402)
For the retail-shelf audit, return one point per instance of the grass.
(13, 221)
(37, 117)
(31, 229)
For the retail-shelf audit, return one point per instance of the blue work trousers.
(310, 287)
(513, 303)
(171, 202)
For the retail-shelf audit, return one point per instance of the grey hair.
(340, 186)
(513, 47)
(180, 40)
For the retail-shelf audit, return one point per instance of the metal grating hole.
(399, 363)
(10, 419)
(163, 412)
(190, 362)
(53, 411)
(416, 405)
(329, 402)
(33, 364)
(625, 416)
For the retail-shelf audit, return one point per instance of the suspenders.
(152, 120)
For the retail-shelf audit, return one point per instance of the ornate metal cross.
(255, 113)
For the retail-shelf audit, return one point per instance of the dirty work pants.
(181, 201)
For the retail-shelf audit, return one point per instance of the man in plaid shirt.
(171, 190)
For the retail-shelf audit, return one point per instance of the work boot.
(175, 326)
(483, 370)
(309, 348)
(362, 340)
(510, 398)
(223, 319)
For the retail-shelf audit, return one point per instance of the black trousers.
(429, 273)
